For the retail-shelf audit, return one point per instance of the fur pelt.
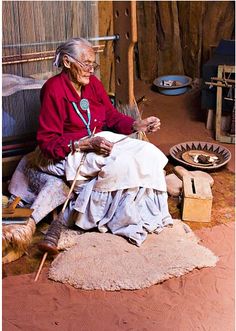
(17, 237)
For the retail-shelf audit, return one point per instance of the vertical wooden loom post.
(222, 69)
(125, 25)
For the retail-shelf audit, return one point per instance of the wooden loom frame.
(219, 136)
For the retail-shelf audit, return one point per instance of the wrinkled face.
(83, 67)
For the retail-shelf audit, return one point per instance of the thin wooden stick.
(63, 209)
(218, 84)
(74, 181)
(224, 79)
(41, 266)
(15, 203)
(130, 135)
(64, 206)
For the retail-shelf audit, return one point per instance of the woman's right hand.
(100, 145)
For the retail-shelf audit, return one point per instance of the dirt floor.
(200, 300)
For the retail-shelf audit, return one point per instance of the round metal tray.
(182, 153)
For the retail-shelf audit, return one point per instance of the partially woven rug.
(108, 262)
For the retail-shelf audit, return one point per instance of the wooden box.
(197, 200)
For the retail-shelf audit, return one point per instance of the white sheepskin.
(109, 262)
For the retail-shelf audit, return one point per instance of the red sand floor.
(200, 300)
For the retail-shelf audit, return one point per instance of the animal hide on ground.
(108, 262)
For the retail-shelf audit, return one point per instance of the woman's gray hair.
(74, 47)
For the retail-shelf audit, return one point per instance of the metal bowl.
(183, 86)
(182, 153)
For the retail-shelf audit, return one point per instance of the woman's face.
(83, 67)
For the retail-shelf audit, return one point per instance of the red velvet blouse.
(59, 123)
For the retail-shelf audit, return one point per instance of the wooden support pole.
(125, 25)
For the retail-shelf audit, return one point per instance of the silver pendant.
(84, 104)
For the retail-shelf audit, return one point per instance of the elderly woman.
(121, 185)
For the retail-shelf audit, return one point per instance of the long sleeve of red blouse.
(59, 123)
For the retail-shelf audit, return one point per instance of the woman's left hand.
(149, 124)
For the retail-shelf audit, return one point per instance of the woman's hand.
(100, 145)
(149, 124)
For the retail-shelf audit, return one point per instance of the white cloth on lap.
(132, 163)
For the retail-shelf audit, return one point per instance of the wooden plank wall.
(26, 22)
(175, 37)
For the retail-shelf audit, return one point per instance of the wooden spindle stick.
(41, 266)
(64, 206)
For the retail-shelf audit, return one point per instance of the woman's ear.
(66, 61)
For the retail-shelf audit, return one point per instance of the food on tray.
(203, 158)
